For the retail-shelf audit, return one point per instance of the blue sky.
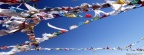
(120, 30)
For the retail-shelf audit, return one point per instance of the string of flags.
(16, 19)
(29, 46)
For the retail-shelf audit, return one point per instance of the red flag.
(23, 44)
(14, 1)
(104, 15)
(142, 4)
(4, 47)
(88, 16)
(63, 31)
(63, 8)
(35, 0)
(41, 17)
(23, 24)
(85, 10)
(69, 9)
(3, 1)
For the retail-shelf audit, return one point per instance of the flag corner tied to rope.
(30, 8)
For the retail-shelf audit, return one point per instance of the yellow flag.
(31, 27)
(35, 42)
(72, 16)
(19, 47)
(87, 21)
(64, 14)
(120, 2)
